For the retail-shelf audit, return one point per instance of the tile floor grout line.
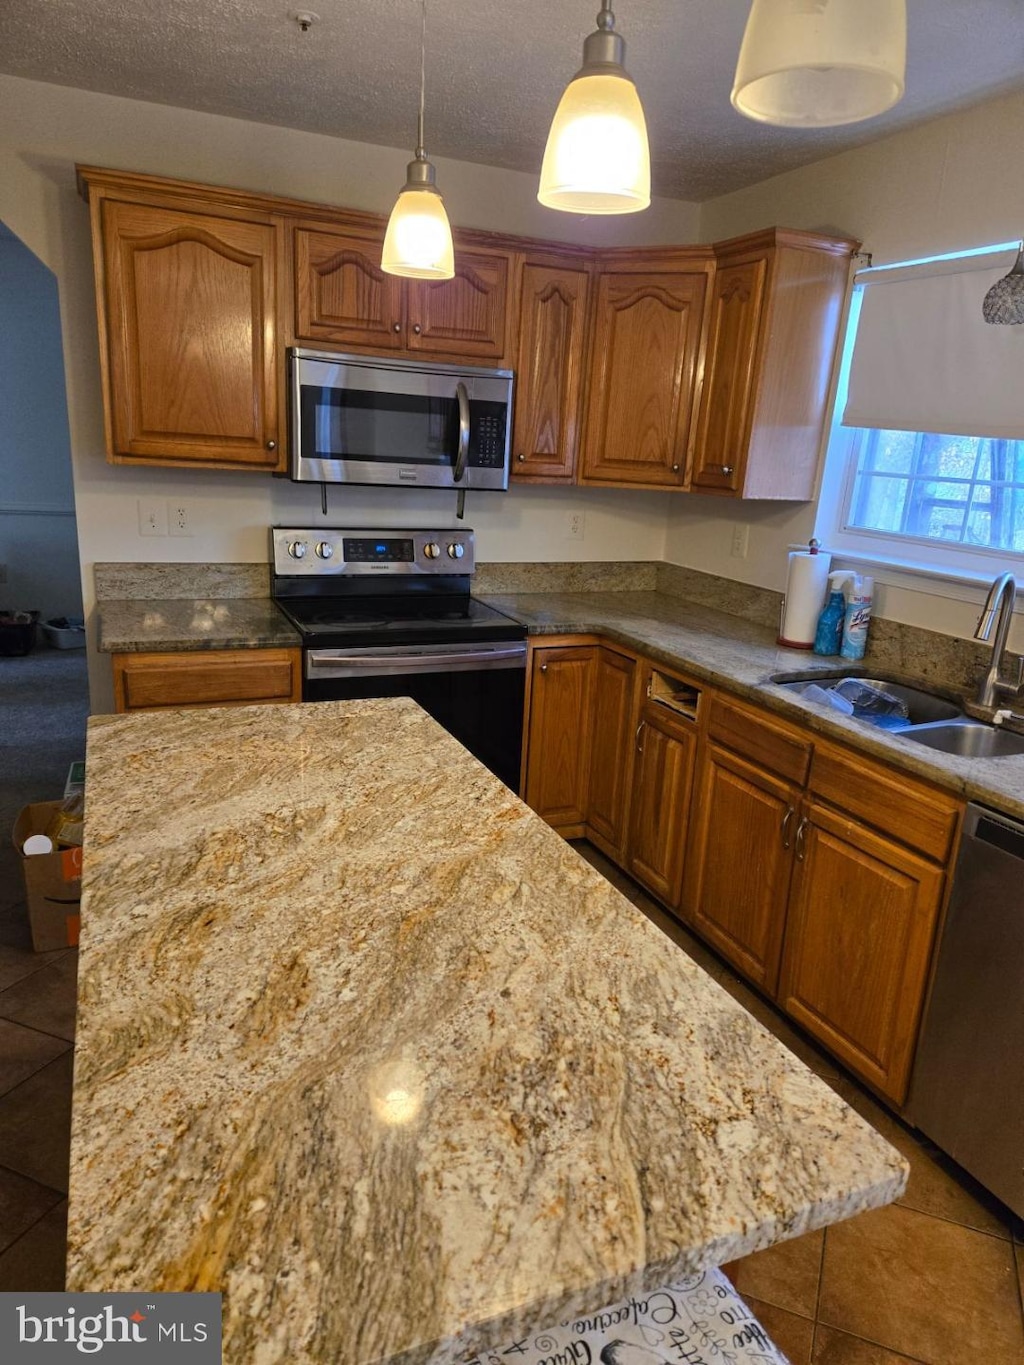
(59, 1037)
(5, 1247)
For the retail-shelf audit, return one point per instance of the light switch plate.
(152, 517)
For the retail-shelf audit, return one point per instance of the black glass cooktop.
(326, 621)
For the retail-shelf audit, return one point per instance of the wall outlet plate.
(575, 525)
(740, 541)
(179, 518)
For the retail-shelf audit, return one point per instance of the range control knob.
(456, 550)
(325, 549)
(297, 549)
(431, 549)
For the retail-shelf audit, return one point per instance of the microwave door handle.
(462, 450)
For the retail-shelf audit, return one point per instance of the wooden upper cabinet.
(341, 294)
(549, 370)
(463, 318)
(776, 307)
(188, 335)
(643, 377)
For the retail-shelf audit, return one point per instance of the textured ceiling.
(494, 71)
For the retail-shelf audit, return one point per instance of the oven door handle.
(399, 662)
(462, 450)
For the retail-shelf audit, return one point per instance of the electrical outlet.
(575, 525)
(179, 518)
(740, 541)
(152, 517)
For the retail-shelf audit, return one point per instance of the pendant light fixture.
(418, 242)
(597, 159)
(821, 63)
(1004, 302)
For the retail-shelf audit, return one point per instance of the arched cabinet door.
(189, 336)
(464, 318)
(341, 294)
(643, 378)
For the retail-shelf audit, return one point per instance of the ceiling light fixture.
(418, 242)
(597, 159)
(821, 63)
(1004, 302)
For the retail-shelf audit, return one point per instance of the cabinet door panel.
(234, 677)
(862, 918)
(663, 769)
(739, 862)
(737, 302)
(549, 371)
(190, 320)
(463, 317)
(611, 750)
(341, 293)
(646, 345)
(561, 690)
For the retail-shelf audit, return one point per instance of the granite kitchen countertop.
(376, 1054)
(741, 656)
(139, 625)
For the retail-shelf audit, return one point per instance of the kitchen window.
(925, 463)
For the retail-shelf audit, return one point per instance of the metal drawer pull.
(725, 469)
(790, 812)
(800, 839)
(639, 737)
(543, 668)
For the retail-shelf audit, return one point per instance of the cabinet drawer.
(920, 816)
(235, 677)
(764, 742)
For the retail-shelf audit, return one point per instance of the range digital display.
(386, 551)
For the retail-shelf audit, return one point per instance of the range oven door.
(475, 691)
(355, 419)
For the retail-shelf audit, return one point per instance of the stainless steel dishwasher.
(967, 1091)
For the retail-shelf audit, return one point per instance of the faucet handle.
(1012, 686)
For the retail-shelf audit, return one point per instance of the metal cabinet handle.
(639, 737)
(675, 469)
(396, 326)
(271, 445)
(725, 469)
(790, 812)
(543, 668)
(417, 328)
(521, 458)
(800, 839)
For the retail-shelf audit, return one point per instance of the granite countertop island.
(365, 1046)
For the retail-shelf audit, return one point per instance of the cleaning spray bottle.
(858, 614)
(829, 634)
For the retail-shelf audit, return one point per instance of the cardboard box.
(53, 883)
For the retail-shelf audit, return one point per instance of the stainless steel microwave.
(363, 419)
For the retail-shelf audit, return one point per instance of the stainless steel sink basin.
(968, 738)
(923, 706)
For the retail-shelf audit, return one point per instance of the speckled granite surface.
(122, 582)
(741, 655)
(377, 1054)
(140, 625)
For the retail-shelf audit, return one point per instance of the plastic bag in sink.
(869, 702)
(827, 696)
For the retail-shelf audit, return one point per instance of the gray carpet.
(44, 702)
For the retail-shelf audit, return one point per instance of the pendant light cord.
(421, 151)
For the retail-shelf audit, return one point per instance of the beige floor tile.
(24, 1051)
(793, 1335)
(37, 1260)
(785, 1275)
(937, 1185)
(923, 1287)
(839, 1348)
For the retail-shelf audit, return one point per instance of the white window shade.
(925, 359)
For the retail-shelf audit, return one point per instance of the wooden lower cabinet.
(740, 861)
(222, 677)
(558, 735)
(611, 751)
(862, 917)
(663, 774)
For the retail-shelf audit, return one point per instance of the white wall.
(952, 183)
(45, 130)
(38, 546)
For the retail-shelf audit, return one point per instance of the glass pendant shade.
(1004, 302)
(821, 63)
(418, 242)
(597, 158)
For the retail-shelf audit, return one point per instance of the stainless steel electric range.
(389, 614)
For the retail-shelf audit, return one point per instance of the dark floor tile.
(47, 999)
(17, 960)
(922, 1287)
(22, 1203)
(23, 1052)
(785, 1275)
(793, 1335)
(35, 1125)
(36, 1261)
(839, 1348)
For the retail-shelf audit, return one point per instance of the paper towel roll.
(805, 597)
